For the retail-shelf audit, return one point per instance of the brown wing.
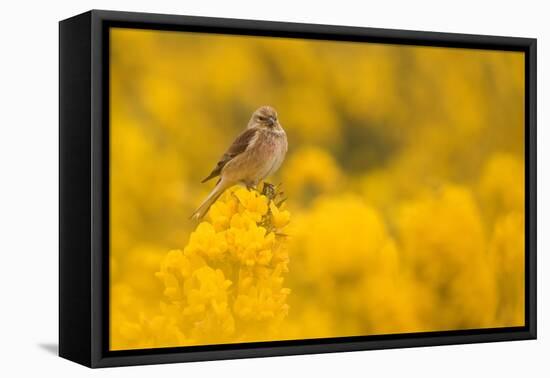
(238, 147)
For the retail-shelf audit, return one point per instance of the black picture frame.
(84, 194)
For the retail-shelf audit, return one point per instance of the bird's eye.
(261, 118)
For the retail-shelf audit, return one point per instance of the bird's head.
(264, 117)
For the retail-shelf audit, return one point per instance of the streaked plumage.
(255, 154)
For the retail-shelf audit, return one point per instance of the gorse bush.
(227, 284)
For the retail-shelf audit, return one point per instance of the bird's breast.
(262, 158)
(274, 147)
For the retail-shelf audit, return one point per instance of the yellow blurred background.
(404, 179)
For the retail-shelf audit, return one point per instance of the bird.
(257, 152)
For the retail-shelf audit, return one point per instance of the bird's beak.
(272, 121)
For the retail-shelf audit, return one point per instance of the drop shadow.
(52, 348)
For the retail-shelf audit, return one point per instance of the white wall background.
(29, 186)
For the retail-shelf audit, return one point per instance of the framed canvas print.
(234, 188)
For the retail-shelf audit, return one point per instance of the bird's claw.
(269, 190)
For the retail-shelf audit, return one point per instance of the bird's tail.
(209, 201)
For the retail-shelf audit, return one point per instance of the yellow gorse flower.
(207, 242)
(280, 218)
(227, 283)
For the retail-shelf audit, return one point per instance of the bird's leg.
(251, 186)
